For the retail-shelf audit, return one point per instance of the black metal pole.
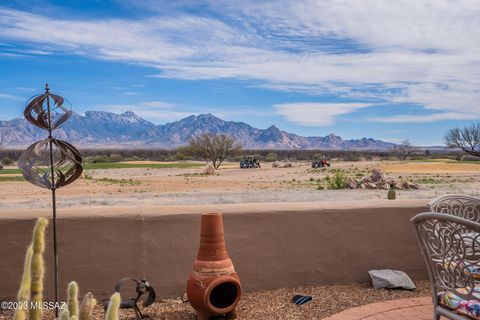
(54, 202)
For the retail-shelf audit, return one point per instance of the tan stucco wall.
(272, 245)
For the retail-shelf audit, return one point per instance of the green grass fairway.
(116, 165)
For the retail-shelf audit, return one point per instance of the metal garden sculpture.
(50, 163)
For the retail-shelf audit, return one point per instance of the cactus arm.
(113, 307)
(24, 291)
(37, 269)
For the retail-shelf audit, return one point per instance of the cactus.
(72, 301)
(391, 193)
(24, 291)
(65, 315)
(31, 287)
(113, 306)
(37, 269)
(86, 308)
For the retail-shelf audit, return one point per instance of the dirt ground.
(276, 304)
(230, 184)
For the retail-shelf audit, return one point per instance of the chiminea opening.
(224, 295)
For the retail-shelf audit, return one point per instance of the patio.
(414, 309)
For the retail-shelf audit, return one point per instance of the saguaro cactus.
(113, 306)
(86, 308)
(24, 291)
(37, 269)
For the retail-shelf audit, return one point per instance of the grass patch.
(113, 165)
(10, 171)
(11, 178)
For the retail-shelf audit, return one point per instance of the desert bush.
(214, 148)
(7, 161)
(338, 181)
(116, 158)
(271, 157)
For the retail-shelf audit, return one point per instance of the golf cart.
(320, 163)
(249, 162)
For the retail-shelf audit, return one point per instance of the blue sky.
(382, 69)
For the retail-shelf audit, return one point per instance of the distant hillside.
(98, 128)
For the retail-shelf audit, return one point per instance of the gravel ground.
(276, 304)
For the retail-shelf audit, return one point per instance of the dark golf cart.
(320, 163)
(249, 162)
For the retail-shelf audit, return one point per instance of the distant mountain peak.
(108, 128)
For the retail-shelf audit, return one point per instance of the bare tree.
(404, 150)
(214, 148)
(467, 139)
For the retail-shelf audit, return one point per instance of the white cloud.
(425, 118)
(10, 97)
(316, 114)
(421, 52)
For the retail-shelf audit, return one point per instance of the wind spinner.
(50, 163)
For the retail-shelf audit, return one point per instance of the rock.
(209, 169)
(351, 184)
(391, 279)
(362, 186)
(184, 297)
(384, 186)
(366, 180)
(276, 164)
(413, 186)
(404, 185)
(287, 165)
(376, 175)
(370, 185)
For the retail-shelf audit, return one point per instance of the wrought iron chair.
(463, 206)
(451, 248)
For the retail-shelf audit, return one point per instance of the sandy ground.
(176, 186)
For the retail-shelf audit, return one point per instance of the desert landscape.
(156, 183)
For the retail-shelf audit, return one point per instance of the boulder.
(413, 186)
(376, 175)
(391, 279)
(366, 180)
(370, 185)
(276, 164)
(209, 169)
(351, 184)
(362, 186)
(287, 165)
(384, 186)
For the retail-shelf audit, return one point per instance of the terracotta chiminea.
(213, 286)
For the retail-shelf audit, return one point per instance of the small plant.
(7, 161)
(392, 194)
(338, 181)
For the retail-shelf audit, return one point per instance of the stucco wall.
(272, 245)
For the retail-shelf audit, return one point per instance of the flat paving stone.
(411, 308)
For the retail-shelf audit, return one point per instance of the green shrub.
(338, 181)
(7, 161)
(115, 158)
(271, 157)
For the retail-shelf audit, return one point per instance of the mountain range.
(100, 128)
